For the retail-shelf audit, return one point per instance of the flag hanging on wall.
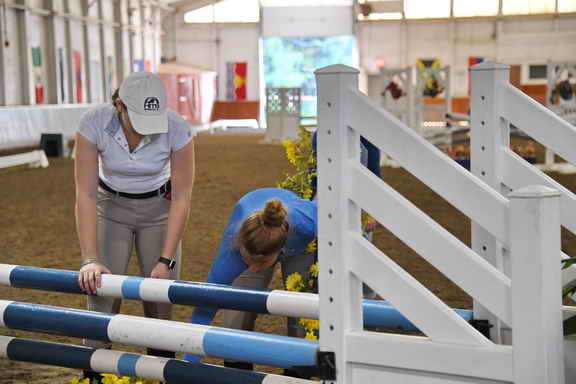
(433, 84)
(77, 62)
(38, 75)
(236, 80)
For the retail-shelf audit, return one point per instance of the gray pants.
(246, 320)
(300, 264)
(125, 224)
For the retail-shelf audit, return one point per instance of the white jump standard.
(526, 297)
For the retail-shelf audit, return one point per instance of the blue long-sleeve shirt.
(228, 265)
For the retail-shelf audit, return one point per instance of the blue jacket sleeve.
(225, 269)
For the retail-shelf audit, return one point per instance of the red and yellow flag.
(236, 84)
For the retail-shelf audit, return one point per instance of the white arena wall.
(510, 40)
(23, 126)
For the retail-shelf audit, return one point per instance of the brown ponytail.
(264, 231)
(115, 96)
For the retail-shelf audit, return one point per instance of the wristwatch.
(171, 263)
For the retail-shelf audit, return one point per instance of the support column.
(340, 291)
(28, 95)
(143, 31)
(87, 53)
(536, 286)
(131, 33)
(3, 39)
(53, 95)
(103, 63)
(71, 83)
(119, 41)
(489, 133)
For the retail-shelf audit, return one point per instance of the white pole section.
(489, 133)
(338, 145)
(536, 286)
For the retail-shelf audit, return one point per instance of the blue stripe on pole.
(60, 321)
(48, 279)
(278, 351)
(383, 315)
(41, 352)
(177, 371)
(131, 288)
(380, 314)
(210, 295)
(127, 364)
(465, 314)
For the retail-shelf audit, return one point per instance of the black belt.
(146, 195)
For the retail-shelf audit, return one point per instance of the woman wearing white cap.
(134, 177)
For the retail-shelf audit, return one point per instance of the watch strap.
(171, 263)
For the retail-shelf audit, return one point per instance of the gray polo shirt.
(145, 169)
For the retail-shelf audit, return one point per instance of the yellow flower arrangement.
(310, 324)
(294, 282)
(311, 335)
(109, 378)
(300, 154)
(312, 246)
(314, 270)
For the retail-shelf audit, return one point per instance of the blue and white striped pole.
(131, 364)
(276, 302)
(228, 344)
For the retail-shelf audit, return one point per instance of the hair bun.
(274, 214)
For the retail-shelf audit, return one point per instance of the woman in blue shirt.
(264, 223)
(266, 226)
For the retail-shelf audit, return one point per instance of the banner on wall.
(432, 82)
(77, 59)
(473, 60)
(38, 76)
(236, 73)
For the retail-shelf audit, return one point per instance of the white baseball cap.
(144, 95)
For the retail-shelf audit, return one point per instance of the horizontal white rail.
(34, 159)
(438, 246)
(517, 172)
(473, 197)
(421, 355)
(538, 121)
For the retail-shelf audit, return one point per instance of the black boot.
(239, 365)
(95, 377)
(160, 353)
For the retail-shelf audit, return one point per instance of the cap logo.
(151, 104)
